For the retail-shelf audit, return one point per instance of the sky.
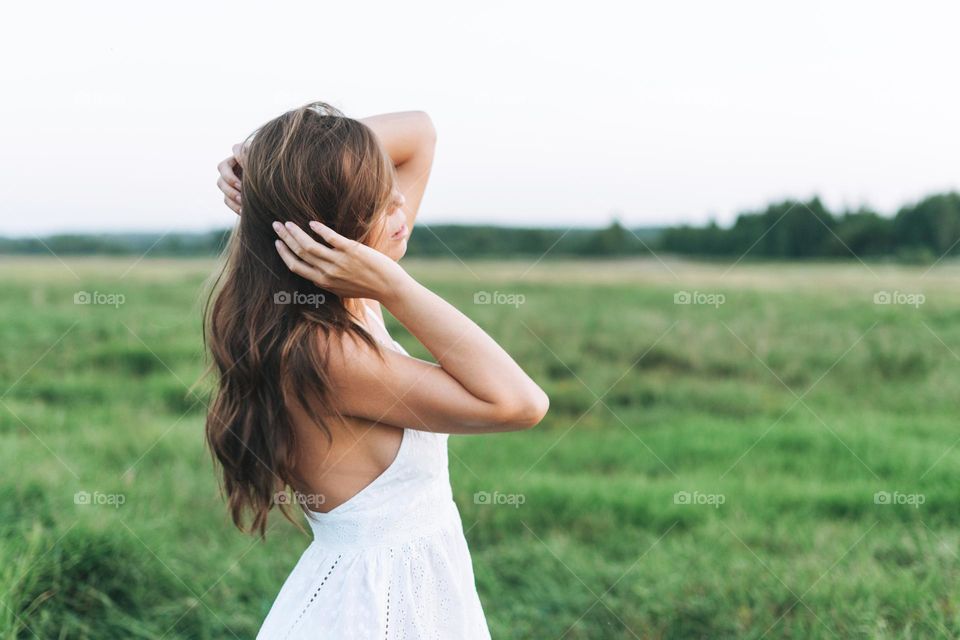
(115, 114)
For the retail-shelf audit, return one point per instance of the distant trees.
(156, 244)
(497, 242)
(791, 229)
(797, 230)
(932, 224)
(785, 230)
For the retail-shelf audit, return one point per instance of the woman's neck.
(357, 307)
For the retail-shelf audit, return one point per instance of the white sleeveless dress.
(389, 563)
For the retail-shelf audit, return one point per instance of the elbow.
(528, 413)
(429, 132)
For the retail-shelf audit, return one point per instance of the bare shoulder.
(351, 361)
(383, 385)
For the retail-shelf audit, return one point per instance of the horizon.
(498, 224)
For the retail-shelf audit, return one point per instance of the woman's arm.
(475, 387)
(409, 138)
(465, 352)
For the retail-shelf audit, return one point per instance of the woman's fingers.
(227, 169)
(302, 245)
(330, 236)
(301, 236)
(309, 244)
(298, 266)
(288, 238)
(228, 190)
(230, 202)
(240, 154)
(231, 197)
(229, 184)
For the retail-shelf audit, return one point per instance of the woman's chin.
(397, 250)
(394, 248)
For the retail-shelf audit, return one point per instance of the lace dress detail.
(390, 563)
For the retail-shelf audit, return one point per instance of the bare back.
(361, 449)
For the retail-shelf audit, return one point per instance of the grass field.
(777, 459)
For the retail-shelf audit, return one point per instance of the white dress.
(389, 563)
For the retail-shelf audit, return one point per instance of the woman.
(314, 397)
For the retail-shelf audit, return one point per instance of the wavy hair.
(266, 329)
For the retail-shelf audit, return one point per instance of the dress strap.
(397, 346)
(374, 316)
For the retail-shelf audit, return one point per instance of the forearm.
(402, 134)
(409, 138)
(464, 350)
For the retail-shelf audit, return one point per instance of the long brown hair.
(267, 329)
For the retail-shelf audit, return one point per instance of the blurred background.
(723, 237)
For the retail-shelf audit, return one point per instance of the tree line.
(791, 229)
(922, 232)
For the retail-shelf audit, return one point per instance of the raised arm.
(475, 387)
(409, 138)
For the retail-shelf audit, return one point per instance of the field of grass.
(777, 459)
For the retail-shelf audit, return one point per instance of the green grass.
(793, 403)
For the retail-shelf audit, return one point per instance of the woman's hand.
(347, 268)
(231, 171)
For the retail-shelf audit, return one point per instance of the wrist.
(396, 283)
